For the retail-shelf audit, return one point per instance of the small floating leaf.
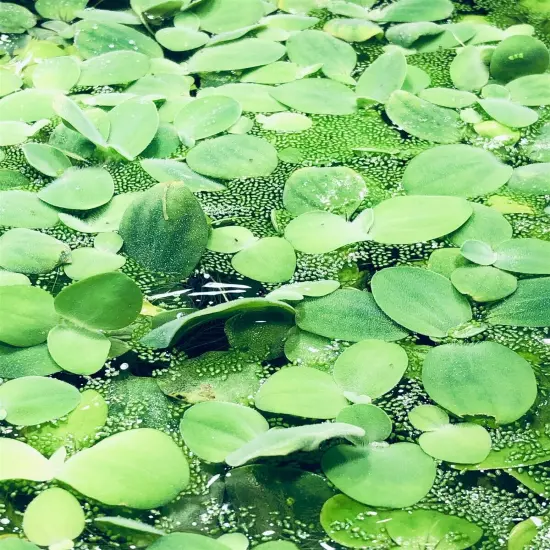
(508, 113)
(524, 256)
(56, 73)
(408, 11)
(46, 159)
(532, 90)
(25, 209)
(428, 417)
(118, 67)
(383, 76)
(376, 423)
(21, 461)
(218, 16)
(531, 179)
(468, 71)
(483, 283)
(478, 252)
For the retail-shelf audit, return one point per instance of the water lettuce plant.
(274, 274)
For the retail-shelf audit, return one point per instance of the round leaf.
(483, 284)
(478, 252)
(428, 418)
(120, 298)
(158, 474)
(86, 262)
(532, 179)
(530, 256)
(376, 423)
(301, 391)
(46, 159)
(532, 90)
(420, 300)
(34, 400)
(111, 68)
(213, 429)
(391, 476)
(480, 379)
(25, 209)
(230, 239)
(370, 367)
(219, 16)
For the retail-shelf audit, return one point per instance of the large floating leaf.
(509, 113)
(312, 47)
(213, 429)
(420, 300)
(26, 315)
(392, 476)
(480, 379)
(175, 541)
(158, 474)
(406, 11)
(57, 73)
(347, 314)
(370, 367)
(455, 170)
(165, 229)
(336, 189)
(233, 156)
(529, 306)
(301, 391)
(25, 209)
(317, 96)
(483, 283)
(524, 256)
(254, 98)
(284, 441)
(423, 119)
(15, 19)
(532, 90)
(46, 159)
(118, 67)
(531, 179)
(53, 517)
(21, 461)
(241, 54)
(79, 189)
(120, 298)
(31, 361)
(218, 16)
(31, 252)
(27, 105)
(94, 38)
(412, 219)
(34, 400)
(383, 76)
(468, 70)
(167, 170)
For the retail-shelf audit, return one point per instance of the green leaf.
(269, 260)
(416, 80)
(230, 239)
(508, 113)
(26, 315)
(254, 98)
(454, 35)
(31, 361)
(53, 518)
(86, 262)
(12, 179)
(21, 461)
(94, 38)
(420, 300)
(238, 55)
(285, 123)
(531, 179)
(120, 297)
(158, 474)
(518, 56)
(28, 251)
(422, 119)
(486, 224)
(15, 543)
(33, 400)
(134, 124)
(353, 30)
(336, 189)
(412, 219)
(77, 349)
(173, 331)
(478, 252)
(532, 90)
(306, 348)
(64, 10)
(218, 16)
(206, 117)
(28, 105)
(448, 97)
(354, 525)
(382, 77)
(317, 96)
(468, 70)
(25, 209)
(79, 189)
(10, 82)
(347, 314)
(301, 391)
(406, 34)
(527, 307)
(70, 112)
(522, 534)
(376, 423)
(523, 256)
(15, 19)
(181, 39)
(284, 441)
(485, 378)
(317, 232)
(175, 541)
(431, 529)
(56, 73)
(428, 418)
(214, 430)
(46, 159)
(312, 47)
(391, 476)
(409, 11)
(165, 229)
(370, 368)
(455, 170)
(483, 284)
(233, 156)
(110, 68)
(464, 443)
